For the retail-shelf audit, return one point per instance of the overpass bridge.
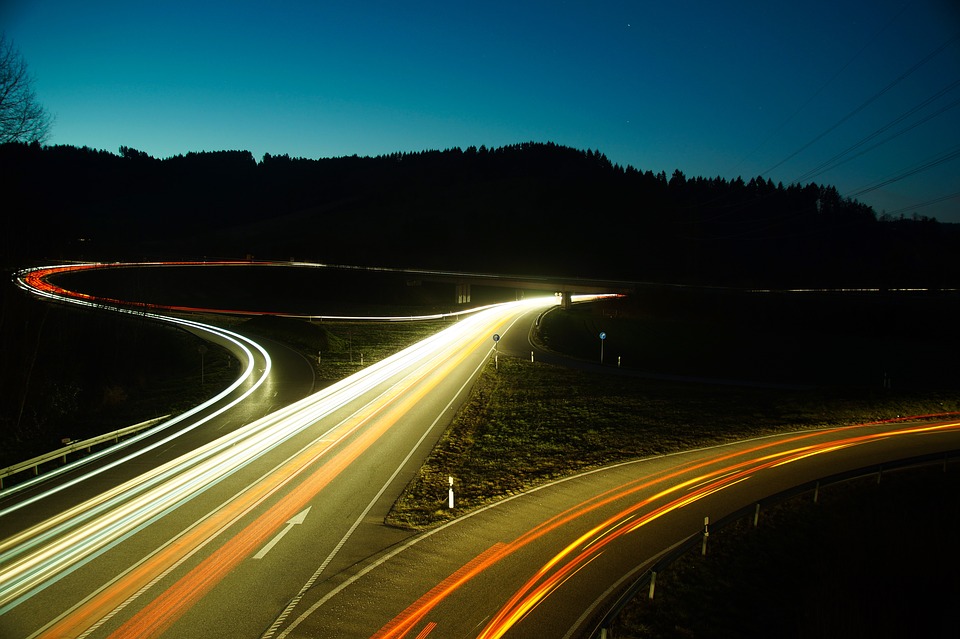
(565, 287)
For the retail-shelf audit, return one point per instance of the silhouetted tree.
(22, 118)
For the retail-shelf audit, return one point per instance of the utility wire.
(823, 86)
(945, 157)
(837, 160)
(923, 204)
(866, 103)
(943, 109)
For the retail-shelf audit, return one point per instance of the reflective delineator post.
(450, 493)
(706, 534)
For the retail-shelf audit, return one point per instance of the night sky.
(861, 95)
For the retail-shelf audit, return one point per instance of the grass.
(338, 348)
(527, 423)
(808, 571)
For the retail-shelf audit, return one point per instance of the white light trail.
(38, 557)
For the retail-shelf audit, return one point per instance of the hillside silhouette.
(533, 208)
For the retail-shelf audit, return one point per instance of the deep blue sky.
(779, 89)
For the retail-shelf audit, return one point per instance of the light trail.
(678, 490)
(36, 558)
(45, 554)
(543, 583)
(35, 281)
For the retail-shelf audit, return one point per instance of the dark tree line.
(529, 208)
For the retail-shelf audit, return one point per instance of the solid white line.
(309, 584)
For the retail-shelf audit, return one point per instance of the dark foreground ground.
(865, 561)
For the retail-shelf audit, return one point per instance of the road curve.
(546, 563)
(290, 543)
(217, 541)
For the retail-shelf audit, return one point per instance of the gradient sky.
(794, 91)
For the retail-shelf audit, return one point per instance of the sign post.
(603, 336)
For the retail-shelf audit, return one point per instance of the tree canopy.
(531, 208)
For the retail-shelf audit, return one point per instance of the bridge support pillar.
(463, 293)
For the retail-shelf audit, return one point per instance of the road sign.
(603, 335)
(496, 337)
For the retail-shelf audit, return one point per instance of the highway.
(190, 547)
(546, 563)
(271, 526)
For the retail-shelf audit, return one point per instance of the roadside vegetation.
(678, 372)
(832, 569)
(72, 373)
(527, 423)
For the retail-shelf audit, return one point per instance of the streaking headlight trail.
(38, 557)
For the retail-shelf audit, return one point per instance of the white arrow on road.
(298, 519)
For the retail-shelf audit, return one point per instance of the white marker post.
(706, 534)
(450, 493)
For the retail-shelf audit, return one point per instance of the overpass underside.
(564, 290)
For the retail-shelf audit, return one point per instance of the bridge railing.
(646, 581)
(72, 447)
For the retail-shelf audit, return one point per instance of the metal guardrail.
(73, 447)
(648, 579)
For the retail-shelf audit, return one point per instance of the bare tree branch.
(22, 117)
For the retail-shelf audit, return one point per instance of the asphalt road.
(273, 527)
(200, 545)
(547, 563)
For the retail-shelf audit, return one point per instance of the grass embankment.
(527, 423)
(340, 348)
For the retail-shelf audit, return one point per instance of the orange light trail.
(533, 592)
(597, 538)
(162, 612)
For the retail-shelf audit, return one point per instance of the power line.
(837, 160)
(866, 103)
(923, 204)
(945, 157)
(825, 84)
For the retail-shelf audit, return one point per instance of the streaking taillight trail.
(33, 559)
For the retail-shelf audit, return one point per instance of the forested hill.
(532, 208)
